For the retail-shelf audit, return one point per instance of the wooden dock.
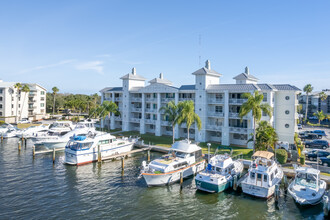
(155, 148)
(125, 154)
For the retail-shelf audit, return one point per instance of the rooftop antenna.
(200, 49)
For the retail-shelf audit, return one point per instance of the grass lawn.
(23, 126)
(166, 141)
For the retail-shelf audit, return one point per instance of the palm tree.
(171, 113)
(266, 136)
(320, 116)
(308, 89)
(187, 114)
(55, 91)
(25, 89)
(108, 108)
(323, 96)
(17, 86)
(254, 104)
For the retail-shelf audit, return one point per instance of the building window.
(287, 125)
(0, 105)
(218, 108)
(287, 112)
(265, 97)
(0, 91)
(12, 105)
(287, 97)
(0, 98)
(42, 104)
(42, 99)
(0, 113)
(42, 93)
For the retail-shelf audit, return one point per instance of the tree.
(307, 89)
(323, 96)
(266, 136)
(254, 105)
(171, 113)
(25, 89)
(109, 107)
(187, 114)
(55, 91)
(17, 86)
(320, 116)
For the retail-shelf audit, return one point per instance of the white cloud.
(63, 62)
(96, 66)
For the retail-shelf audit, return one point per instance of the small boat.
(264, 174)
(58, 128)
(307, 188)
(83, 128)
(5, 127)
(219, 174)
(12, 132)
(184, 158)
(32, 130)
(84, 149)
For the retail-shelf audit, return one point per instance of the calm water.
(35, 189)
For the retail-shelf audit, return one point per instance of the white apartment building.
(315, 103)
(16, 105)
(217, 105)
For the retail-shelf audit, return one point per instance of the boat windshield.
(79, 146)
(306, 179)
(180, 154)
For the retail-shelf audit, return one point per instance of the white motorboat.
(264, 173)
(82, 129)
(12, 132)
(58, 128)
(81, 149)
(219, 174)
(5, 127)
(32, 131)
(184, 157)
(307, 188)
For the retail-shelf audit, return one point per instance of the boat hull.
(212, 188)
(298, 198)
(172, 177)
(258, 191)
(52, 145)
(83, 157)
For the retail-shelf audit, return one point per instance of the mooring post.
(22, 138)
(99, 153)
(149, 155)
(25, 142)
(277, 192)
(235, 183)
(19, 146)
(53, 155)
(122, 163)
(285, 182)
(33, 151)
(1, 137)
(181, 180)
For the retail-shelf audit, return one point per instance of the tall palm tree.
(266, 136)
(17, 86)
(323, 96)
(108, 108)
(187, 114)
(254, 105)
(307, 89)
(320, 116)
(25, 89)
(55, 91)
(171, 113)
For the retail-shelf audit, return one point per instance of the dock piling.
(325, 205)
(33, 151)
(235, 183)
(99, 154)
(1, 137)
(181, 180)
(277, 192)
(149, 155)
(19, 146)
(53, 155)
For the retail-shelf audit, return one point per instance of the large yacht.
(264, 173)
(53, 141)
(219, 174)
(184, 157)
(307, 188)
(58, 128)
(5, 127)
(84, 149)
(32, 130)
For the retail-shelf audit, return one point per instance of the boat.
(5, 127)
(263, 175)
(59, 141)
(11, 132)
(58, 128)
(219, 174)
(184, 158)
(32, 131)
(84, 149)
(307, 188)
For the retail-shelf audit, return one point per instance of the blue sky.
(84, 46)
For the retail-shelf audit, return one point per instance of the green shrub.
(302, 159)
(2, 122)
(281, 156)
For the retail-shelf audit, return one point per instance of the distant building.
(315, 103)
(15, 106)
(217, 104)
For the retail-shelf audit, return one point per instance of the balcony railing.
(136, 99)
(149, 121)
(215, 114)
(215, 101)
(117, 98)
(165, 123)
(234, 114)
(32, 101)
(151, 99)
(238, 130)
(237, 101)
(150, 110)
(167, 99)
(214, 127)
(137, 120)
(136, 109)
(107, 99)
(117, 118)
(185, 99)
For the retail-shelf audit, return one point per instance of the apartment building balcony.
(151, 100)
(150, 110)
(215, 139)
(136, 99)
(238, 130)
(32, 107)
(117, 118)
(32, 101)
(167, 99)
(186, 99)
(149, 121)
(165, 123)
(215, 101)
(236, 101)
(118, 98)
(215, 114)
(213, 127)
(136, 120)
(107, 99)
(136, 110)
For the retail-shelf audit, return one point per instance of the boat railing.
(238, 156)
